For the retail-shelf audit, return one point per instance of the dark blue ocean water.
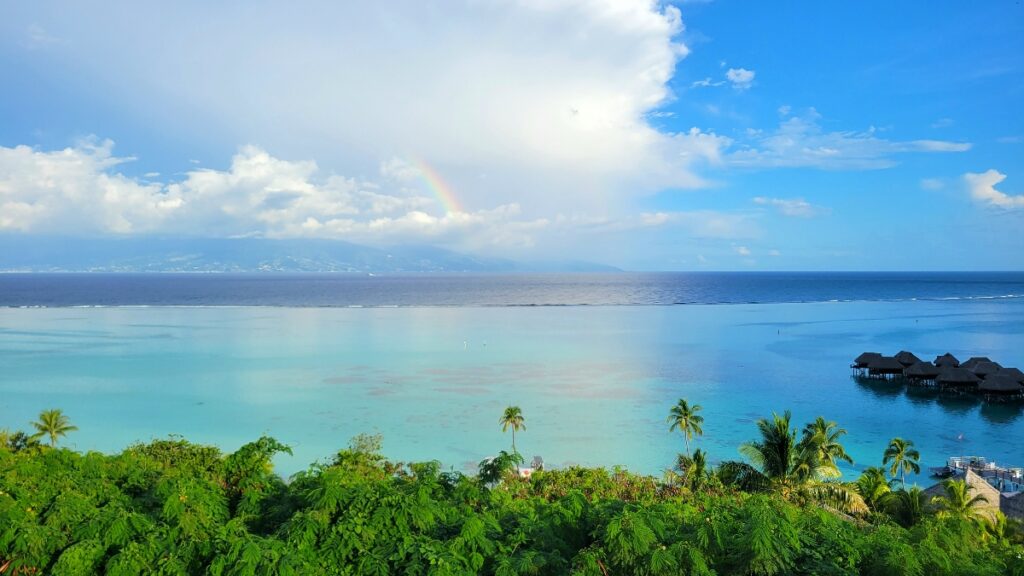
(606, 289)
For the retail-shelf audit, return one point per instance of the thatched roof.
(978, 486)
(973, 361)
(862, 360)
(885, 365)
(1001, 384)
(921, 370)
(1014, 373)
(985, 369)
(907, 358)
(951, 375)
(947, 359)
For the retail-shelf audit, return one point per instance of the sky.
(648, 135)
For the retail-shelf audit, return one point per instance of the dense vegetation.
(172, 507)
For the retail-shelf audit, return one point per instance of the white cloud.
(796, 207)
(711, 224)
(938, 146)
(37, 37)
(932, 184)
(983, 189)
(79, 191)
(799, 141)
(740, 78)
(742, 250)
(774, 253)
(706, 83)
(551, 99)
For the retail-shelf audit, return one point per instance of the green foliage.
(172, 507)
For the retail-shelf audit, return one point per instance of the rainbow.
(441, 189)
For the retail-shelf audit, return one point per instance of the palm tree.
(873, 487)
(685, 418)
(796, 468)
(904, 458)
(778, 455)
(829, 448)
(907, 507)
(694, 469)
(512, 418)
(53, 423)
(957, 502)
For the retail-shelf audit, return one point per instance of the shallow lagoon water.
(595, 382)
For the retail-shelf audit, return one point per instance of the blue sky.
(692, 136)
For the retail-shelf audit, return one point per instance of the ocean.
(595, 361)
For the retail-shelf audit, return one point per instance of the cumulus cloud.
(742, 250)
(80, 190)
(800, 141)
(549, 100)
(983, 189)
(796, 207)
(740, 78)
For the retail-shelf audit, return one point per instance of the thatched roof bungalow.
(906, 358)
(985, 369)
(921, 371)
(946, 360)
(973, 361)
(956, 377)
(999, 385)
(1014, 373)
(885, 366)
(863, 360)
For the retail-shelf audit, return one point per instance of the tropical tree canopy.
(173, 507)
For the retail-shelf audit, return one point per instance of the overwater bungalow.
(957, 378)
(906, 358)
(865, 357)
(985, 369)
(1014, 373)
(921, 372)
(885, 367)
(973, 361)
(979, 375)
(997, 387)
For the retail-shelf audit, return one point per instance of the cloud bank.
(540, 103)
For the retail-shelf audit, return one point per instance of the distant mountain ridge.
(20, 253)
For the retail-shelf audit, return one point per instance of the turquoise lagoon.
(595, 382)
